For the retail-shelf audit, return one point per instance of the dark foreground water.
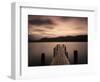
(36, 48)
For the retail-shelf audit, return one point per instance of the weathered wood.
(60, 54)
(42, 59)
(75, 57)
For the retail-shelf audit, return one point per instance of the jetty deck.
(60, 55)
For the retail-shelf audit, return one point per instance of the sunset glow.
(55, 26)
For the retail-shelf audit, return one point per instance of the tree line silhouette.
(78, 38)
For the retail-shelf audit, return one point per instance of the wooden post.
(42, 59)
(54, 52)
(75, 57)
(66, 53)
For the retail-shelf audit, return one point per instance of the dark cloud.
(81, 20)
(65, 18)
(84, 20)
(71, 18)
(40, 21)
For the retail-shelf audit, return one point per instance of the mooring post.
(42, 59)
(75, 57)
(66, 53)
(54, 52)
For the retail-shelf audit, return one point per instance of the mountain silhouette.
(78, 38)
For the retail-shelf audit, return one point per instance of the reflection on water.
(36, 48)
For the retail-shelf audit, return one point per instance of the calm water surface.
(36, 48)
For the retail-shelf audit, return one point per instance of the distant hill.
(78, 38)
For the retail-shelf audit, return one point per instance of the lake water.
(36, 48)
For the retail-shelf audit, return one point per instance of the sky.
(56, 26)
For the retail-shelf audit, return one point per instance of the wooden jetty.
(60, 56)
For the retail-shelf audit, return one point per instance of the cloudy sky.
(55, 26)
